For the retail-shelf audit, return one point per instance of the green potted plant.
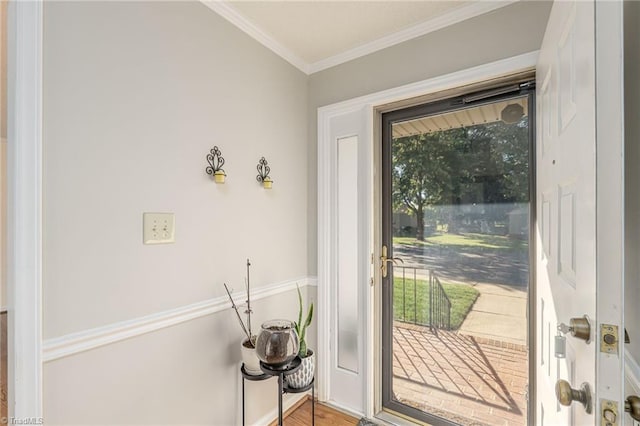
(304, 375)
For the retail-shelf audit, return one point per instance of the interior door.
(579, 201)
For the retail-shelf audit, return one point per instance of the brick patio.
(469, 380)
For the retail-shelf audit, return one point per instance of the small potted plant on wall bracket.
(304, 375)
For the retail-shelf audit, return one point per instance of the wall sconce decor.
(216, 161)
(263, 174)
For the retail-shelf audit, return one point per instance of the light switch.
(158, 228)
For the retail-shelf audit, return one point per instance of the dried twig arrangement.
(245, 329)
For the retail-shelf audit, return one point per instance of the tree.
(484, 164)
(421, 173)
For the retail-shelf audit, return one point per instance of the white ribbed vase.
(304, 375)
(250, 359)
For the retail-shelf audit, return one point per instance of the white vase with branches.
(248, 346)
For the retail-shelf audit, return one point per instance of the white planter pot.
(250, 359)
(304, 375)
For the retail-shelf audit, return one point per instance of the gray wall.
(503, 33)
(632, 174)
(135, 96)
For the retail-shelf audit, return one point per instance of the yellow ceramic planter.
(219, 176)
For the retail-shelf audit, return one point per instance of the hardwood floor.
(325, 416)
(3, 366)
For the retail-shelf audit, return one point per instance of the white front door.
(579, 202)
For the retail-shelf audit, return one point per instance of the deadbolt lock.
(580, 328)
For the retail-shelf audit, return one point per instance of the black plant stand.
(269, 372)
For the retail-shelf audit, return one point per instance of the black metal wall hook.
(216, 161)
(263, 171)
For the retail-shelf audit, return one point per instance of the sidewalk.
(499, 313)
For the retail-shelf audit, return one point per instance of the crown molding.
(85, 340)
(455, 16)
(522, 62)
(242, 23)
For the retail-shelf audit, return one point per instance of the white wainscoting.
(85, 340)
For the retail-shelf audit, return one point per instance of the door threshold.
(342, 409)
(393, 418)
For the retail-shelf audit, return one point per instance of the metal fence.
(419, 298)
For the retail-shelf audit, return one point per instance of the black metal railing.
(419, 298)
(440, 306)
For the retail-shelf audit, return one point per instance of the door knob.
(566, 395)
(632, 406)
(580, 328)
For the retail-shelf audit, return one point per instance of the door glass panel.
(459, 201)
(348, 253)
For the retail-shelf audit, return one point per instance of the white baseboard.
(288, 401)
(85, 340)
(632, 371)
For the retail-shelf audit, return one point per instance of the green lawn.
(468, 241)
(461, 296)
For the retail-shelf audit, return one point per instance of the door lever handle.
(384, 260)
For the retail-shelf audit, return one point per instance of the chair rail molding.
(73, 343)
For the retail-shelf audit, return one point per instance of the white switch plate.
(158, 228)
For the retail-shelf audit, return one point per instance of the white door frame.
(326, 195)
(609, 56)
(24, 208)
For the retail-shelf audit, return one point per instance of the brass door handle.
(384, 260)
(566, 395)
(632, 406)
